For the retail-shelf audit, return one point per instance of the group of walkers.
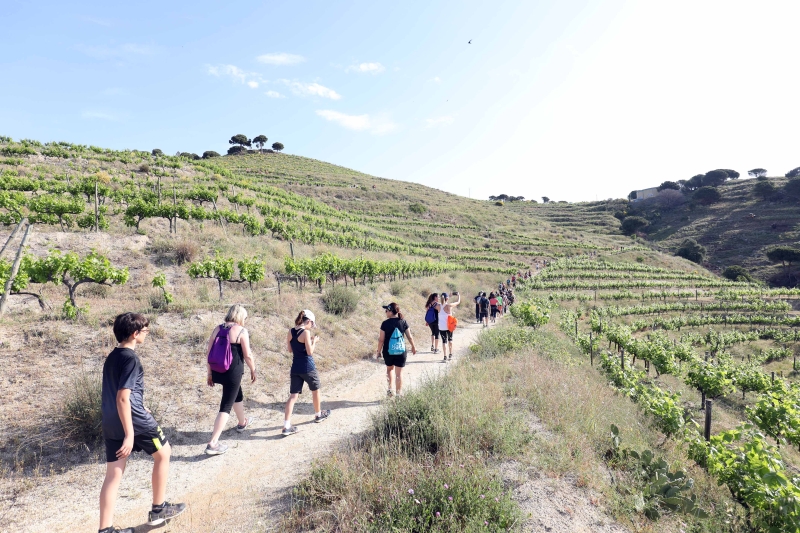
(439, 318)
(128, 426)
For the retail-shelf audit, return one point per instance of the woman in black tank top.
(231, 380)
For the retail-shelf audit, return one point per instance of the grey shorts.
(297, 380)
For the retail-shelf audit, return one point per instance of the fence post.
(13, 233)
(14, 270)
(773, 378)
(622, 359)
(291, 248)
(707, 432)
(591, 350)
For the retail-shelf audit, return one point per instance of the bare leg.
(399, 378)
(390, 377)
(315, 399)
(238, 408)
(108, 494)
(219, 425)
(160, 473)
(287, 413)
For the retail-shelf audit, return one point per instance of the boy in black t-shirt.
(128, 425)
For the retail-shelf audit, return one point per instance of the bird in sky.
(470, 41)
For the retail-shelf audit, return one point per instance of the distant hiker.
(477, 300)
(493, 306)
(392, 346)
(501, 304)
(484, 301)
(228, 352)
(302, 346)
(432, 319)
(445, 309)
(128, 425)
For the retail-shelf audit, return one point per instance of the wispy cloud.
(100, 22)
(274, 94)
(280, 59)
(369, 68)
(127, 50)
(436, 79)
(438, 121)
(232, 71)
(376, 125)
(311, 89)
(100, 115)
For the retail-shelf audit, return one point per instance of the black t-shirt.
(388, 327)
(123, 370)
(484, 303)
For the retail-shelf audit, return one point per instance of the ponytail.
(300, 318)
(395, 310)
(430, 300)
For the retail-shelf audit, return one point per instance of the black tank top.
(302, 363)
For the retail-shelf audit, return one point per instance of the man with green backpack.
(392, 346)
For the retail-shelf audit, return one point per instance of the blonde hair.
(237, 313)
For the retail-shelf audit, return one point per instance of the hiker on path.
(228, 352)
(484, 301)
(501, 309)
(477, 308)
(445, 309)
(432, 319)
(302, 346)
(493, 304)
(129, 427)
(392, 346)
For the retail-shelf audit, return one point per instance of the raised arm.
(309, 342)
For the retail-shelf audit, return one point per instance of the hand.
(210, 381)
(127, 447)
(252, 375)
(413, 350)
(148, 410)
(316, 339)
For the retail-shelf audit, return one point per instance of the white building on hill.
(643, 194)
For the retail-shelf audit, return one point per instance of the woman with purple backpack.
(228, 352)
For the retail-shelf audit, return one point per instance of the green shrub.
(417, 208)
(449, 499)
(340, 300)
(498, 341)
(81, 418)
(397, 288)
(735, 272)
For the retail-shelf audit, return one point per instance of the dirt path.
(260, 466)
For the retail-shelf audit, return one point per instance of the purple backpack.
(220, 356)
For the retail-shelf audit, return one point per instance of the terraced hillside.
(736, 230)
(691, 349)
(526, 418)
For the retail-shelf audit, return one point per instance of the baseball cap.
(310, 315)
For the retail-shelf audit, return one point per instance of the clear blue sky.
(570, 99)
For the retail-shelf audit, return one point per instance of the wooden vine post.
(96, 210)
(707, 428)
(14, 270)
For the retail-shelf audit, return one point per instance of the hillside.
(737, 230)
(523, 415)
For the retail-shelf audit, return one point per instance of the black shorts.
(434, 330)
(395, 360)
(447, 335)
(484, 313)
(149, 442)
(297, 380)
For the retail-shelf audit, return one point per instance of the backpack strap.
(239, 335)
